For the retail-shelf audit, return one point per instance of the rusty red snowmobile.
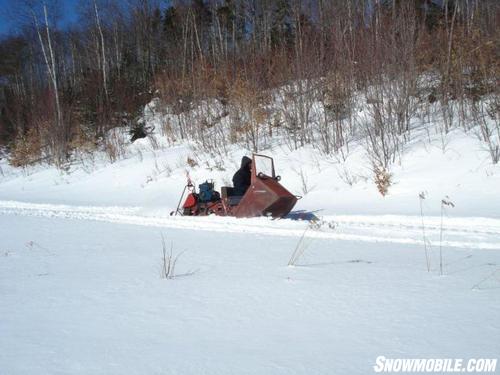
(265, 196)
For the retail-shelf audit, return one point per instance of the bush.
(382, 180)
(26, 149)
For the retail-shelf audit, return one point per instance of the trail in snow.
(458, 232)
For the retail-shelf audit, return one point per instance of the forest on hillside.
(290, 68)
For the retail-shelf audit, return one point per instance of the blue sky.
(10, 9)
(5, 22)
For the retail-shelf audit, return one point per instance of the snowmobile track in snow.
(458, 232)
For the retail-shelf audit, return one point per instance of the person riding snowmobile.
(242, 177)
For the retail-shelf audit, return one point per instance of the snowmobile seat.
(227, 192)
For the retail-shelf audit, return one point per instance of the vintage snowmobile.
(265, 196)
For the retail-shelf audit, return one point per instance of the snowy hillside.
(81, 262)
(153, 173)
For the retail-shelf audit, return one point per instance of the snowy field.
(81, 290)
(86, 297)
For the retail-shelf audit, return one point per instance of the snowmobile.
(265, 196)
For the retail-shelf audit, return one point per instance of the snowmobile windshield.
(264, 166)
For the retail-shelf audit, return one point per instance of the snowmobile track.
(458, 232)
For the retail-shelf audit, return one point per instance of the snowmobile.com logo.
(441, 365)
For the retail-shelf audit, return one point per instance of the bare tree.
(103, 50)
(46, 44)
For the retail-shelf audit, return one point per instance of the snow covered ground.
(80, 262)
(465, 232)
(86, 297)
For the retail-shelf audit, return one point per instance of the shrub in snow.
(445, 202)
(486, 114)
(169, 260)
(382, 179)
(191, 162)
(299, 249)
(115, 144)
(422, 197)
(26, 149)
